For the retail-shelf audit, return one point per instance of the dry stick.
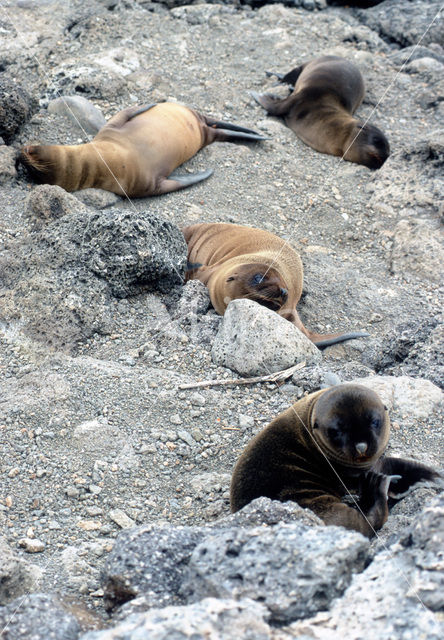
(272, 377)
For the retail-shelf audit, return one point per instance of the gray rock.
(411, 398)
(17, 576)
(405, 22)
(48, 202)
(8, 171)
(397, 595)
(16, 107)
(425, 65)
(39, 616)
(79, 110)
(209, 619)
(134, 254)
(294, 569)
(97, 198)
(401, 56)
(263, 511)
(88, 79)
(243, 341)
(149, 560)
(194, 299)
(81, 260)
(417, 249)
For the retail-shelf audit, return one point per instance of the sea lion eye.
(230, 278)
(376, 423)
(257, 278)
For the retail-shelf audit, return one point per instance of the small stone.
(186, 437)
(197, 399)
(121, 519)
(245, 422)
(175, 419)
(89, 525)
(31, 545)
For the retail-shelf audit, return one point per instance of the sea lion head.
(367, 145)
(351, 425)
(255, 281)
(40, 162)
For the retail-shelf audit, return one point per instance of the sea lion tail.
(324, 341)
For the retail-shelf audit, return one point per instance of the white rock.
(415, 398)
(253, 340)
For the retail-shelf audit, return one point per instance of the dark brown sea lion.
(135, 152)
(325, 446)
(234, 261)
(327, 91)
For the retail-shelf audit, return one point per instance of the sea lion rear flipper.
(175, 183)
(273, 105)
(328, 340)
(229, 132)
(270, 74)
(408, 473)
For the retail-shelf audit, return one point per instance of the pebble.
(245, 422)
(31, 545)
(186, 437)
(175, 419)
(121, 519)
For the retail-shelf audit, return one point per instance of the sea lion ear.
(315, 425)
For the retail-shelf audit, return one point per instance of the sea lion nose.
(361, 448)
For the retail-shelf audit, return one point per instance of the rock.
(149, 560)
(17, 576)
(8, 171)
(417, 249)
(413, 398)
(194, 299)
(38, 616)
(294, 569)
(263, 511)
(80, 111)
(404, 22)
(135, 253)
(32, 545)
(49, 202)
(425, 65)
(97, 198)
(408, 54)
(79, 262)
(88, 79)
(121, 519)
(16, 107)
(397, 595)
(209, 619)
(243, 341)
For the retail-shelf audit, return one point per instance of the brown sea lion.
(234, 261)
(327, 91)
(328, 445)
(135, 152)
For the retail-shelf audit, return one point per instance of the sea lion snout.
(368, 146)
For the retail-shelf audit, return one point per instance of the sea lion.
(234, 261)
(327, 91)
(327, 445)
(135, 152)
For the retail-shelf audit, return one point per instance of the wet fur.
(295, 458)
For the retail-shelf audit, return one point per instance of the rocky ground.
(96, 434)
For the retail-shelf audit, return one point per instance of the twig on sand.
(272, 377)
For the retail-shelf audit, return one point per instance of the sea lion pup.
(326, 445)
(234, 261)
(135, 152)
(327, 91)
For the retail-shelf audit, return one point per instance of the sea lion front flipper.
(122, 117)
(409, 473)
(175, 183)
